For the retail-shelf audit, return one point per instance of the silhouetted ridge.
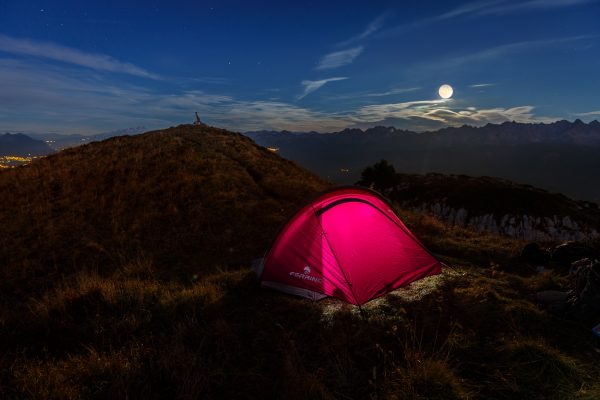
(18, 144)
(561, 156)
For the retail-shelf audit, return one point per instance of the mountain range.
(562, 156)
(59, 141)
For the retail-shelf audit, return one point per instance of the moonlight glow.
(445, 91)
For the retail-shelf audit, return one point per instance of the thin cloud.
(469, 8)
(501, 50)
(56, 52)
(483, 8)
(364, 94)
(589, 114)
(406, 109)
(481, 85)
(311, 86)
(392, 92)
(509, 7)
(489, 7)
(442, 113)
(339, 58)
(373, 27)
(272, 115)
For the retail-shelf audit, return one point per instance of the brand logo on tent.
(306, 276)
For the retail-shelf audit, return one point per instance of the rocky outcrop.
(526, 227)
(567, 253)
(534, 254)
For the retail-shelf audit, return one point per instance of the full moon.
(445, 91)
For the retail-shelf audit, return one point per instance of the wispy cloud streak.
(589, 114)
(501, 50)
(434, 114)
(392, 92)
(505, 7)
(311, 86)
(373, 27)
(481, 85)
(483, 8)
(469, 9)
(57, 52)
(339, 58)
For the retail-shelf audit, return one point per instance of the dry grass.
(134, 304)
(188, 198)
(473, 336)
(460, 244)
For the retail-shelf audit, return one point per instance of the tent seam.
(334, 255)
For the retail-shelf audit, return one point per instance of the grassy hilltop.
(189, 198)
(124, 274)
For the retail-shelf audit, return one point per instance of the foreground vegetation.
(124, 327)
(469, 333)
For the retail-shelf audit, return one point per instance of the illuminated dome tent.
(348, 244)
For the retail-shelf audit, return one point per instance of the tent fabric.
(348, 244)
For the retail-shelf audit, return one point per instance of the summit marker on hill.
(198, 122)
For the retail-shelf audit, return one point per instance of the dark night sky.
(86, 67)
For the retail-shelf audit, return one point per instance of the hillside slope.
(188, 198)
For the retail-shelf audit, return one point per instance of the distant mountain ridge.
(18, 144)
(59, 141)
(506, 133)
(561, 156)
(514, 133)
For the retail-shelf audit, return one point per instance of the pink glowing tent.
(348, 244)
